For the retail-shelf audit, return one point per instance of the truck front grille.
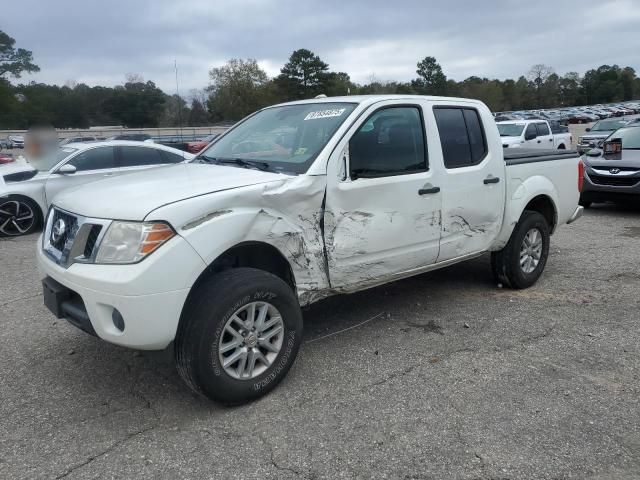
(69, 238)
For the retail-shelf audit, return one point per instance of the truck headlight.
(130, 242)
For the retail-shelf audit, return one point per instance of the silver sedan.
(27, 187)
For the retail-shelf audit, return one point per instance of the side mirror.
(530, 136)
(588, 130)
(594, 153)
(67, 169)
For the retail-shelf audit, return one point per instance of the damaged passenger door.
(382, 213)
(473, 181)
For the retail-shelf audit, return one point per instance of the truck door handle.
(489, 180)
(551, 139)
(539, 141)
(427, 191)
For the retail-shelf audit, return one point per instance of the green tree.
(14, 61)
(198, 115)
(305, 75)
(136, 104)
(237, 89)
(431, 80)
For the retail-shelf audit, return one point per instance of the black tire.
(562, 147)
(505, 264)
(203, 319)
(585, 203)
(24, 205)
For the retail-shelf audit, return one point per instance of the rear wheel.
(239, 335)
(521, 262)
(19, 216)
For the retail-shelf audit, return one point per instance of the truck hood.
(134, 196)
(597, 135)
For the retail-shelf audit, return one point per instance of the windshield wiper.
(236, 161)
(205, 159)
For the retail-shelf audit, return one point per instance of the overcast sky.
(99, 42)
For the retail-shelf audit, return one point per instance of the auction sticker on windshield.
(335, 112)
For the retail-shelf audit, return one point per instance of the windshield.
(286, 138)
(630, 138)
(608, 125)
(510, 129)
(46, 162)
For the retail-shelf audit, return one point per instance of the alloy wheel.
(531, 250)
(16, 217)
(251, 340)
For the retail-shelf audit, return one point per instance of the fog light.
(117, 319)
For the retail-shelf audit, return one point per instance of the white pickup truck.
(295, 203)
(535, 134)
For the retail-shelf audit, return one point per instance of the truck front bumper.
(136, 306)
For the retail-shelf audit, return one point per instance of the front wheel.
(521, 262)
(239, 334)
(18, 216)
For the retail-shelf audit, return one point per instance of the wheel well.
(562, 147)
(253, 255)
(544, 205)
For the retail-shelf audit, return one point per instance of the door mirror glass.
(588, 130)
(67, 169)
(593, 153)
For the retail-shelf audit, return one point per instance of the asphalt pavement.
(444, 375)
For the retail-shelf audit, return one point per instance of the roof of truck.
(369, 99)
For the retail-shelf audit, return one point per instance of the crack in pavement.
(283, 468)
(522, 342)
(20, 299)
(109, 449)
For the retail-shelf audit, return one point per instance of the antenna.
(175, 66)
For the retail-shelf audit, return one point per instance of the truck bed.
(517, 156)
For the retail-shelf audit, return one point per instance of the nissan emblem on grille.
(58, 230)
(615, 171)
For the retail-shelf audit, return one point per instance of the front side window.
(531, 132)
(100, 158)
(390, 142)
(461, 136)
(286, 138)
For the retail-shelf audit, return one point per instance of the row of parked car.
(188, 143)
(586, 114)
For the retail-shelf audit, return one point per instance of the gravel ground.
(451, 377)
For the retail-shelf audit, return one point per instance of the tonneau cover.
(516, 156)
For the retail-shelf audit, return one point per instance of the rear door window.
(461, 136)
(140, 156)
(542, 129)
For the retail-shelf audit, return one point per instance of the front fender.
(285, 214)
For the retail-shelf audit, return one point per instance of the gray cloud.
(99, 42)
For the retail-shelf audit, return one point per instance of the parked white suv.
(297, 202)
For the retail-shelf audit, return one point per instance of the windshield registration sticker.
(335, 112)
